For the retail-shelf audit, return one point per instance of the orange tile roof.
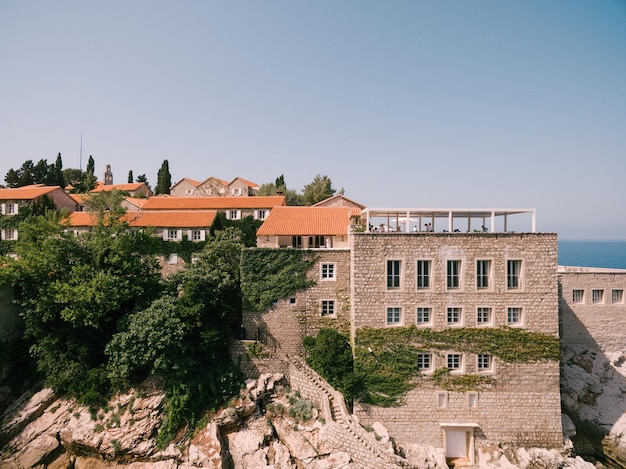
(136, 201)
(307, 221)
(173, 219)
(78, 198)
(246, 182)
(212, 203)
(190, 181)
(131, 186)
(27, 192)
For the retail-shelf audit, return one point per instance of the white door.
(456, 443)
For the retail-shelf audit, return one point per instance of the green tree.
(130, 177)
(58, 179)
(280, 187)
(164, 179)
(91, 165)
(331, 356)
(319, 189)
(143, 178)
(30, 173)
(74, 290)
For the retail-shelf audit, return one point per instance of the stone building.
(214, 187)
(484, 277)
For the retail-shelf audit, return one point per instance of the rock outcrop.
(593, 390)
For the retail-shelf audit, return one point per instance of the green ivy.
(387, 358)
(268, 275)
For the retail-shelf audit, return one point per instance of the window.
(514, 274)
(455, 317)
(472, 399)
(596, 296)
(9, 234)
(296, 242)
(188, 191)
(424, 316)
(454, 274)
(317, 241)
(234, 214)
(394, 316)
(393, 274)
(424, 361)
(455, 361)
(328, 272)
(442, 399)
(237, 191)
(172, 234)
(483, 274)
(483, 316)
(617, 296)
(578, 296)
(423, 274)
(514, 316)
(12, 209)
(208, 191)
(197, 235)
(292, 300)
(262, 214)
(484, 362)
(173, 258)
(328, 307)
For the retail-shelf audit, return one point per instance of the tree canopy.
(164, 179)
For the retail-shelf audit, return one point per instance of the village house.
(214, 187)
(234, 208)
(13, 200)
(486, 276)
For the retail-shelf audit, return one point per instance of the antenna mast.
(80, 164)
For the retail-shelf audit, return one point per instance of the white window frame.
(328, 271)
(391, 275)
(617, 296)
(236, 191)
(442, 400)
(421, 359)
(480, 312)
(578, 296)
(424, 277)
(514, 274)
(394, 311)
(454, 276)
(328, 308)
(197, 235)
(9, 234)
(188, 191)
(519, 312)
(455, 357)
(261, 214)
(472, 399)
(480, 363)
(456, 312)
(597, 296)
(424, 309)
(233, 214)
(484, 277)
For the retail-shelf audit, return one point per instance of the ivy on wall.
(269, 274)
(387, 358)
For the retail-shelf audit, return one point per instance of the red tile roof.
(172, 219)
(246, 182)
(131, 186)
(190, 181)
(27, 192)
(212, 203)
(307, 221)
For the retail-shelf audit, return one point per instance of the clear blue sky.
(402, 103)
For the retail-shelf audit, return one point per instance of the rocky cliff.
(267, 426)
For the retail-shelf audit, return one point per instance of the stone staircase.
(349, 435)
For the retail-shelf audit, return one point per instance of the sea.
(610, 254)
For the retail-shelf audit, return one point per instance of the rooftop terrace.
(464, 220)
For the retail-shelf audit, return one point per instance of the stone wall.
(283, 326)
(523, 406)
(599, 325)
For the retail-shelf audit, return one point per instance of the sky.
(420, 104)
